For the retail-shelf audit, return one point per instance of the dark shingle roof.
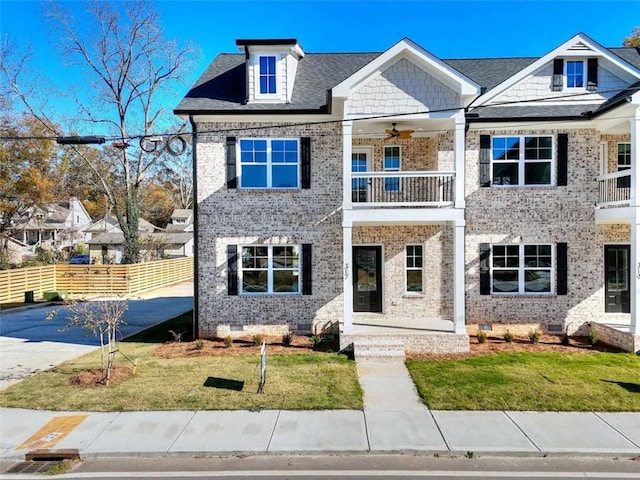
(222, 87)
(490, 72)
(524, 112)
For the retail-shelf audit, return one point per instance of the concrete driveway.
(29, 344)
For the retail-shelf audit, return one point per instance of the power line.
(123, 140)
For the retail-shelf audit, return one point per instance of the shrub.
(287, 337)
(199, 344)
(258, 339)
(508, 336)
(534, 336)
(565, 339)
(316, 340)
(593, 337)
(482, 336)
(228, 341)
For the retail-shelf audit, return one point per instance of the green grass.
(531, 381)
(294, 382)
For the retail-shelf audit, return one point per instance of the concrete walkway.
(393, 420)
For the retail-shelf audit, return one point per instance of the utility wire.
(470, 109)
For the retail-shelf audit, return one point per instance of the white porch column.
(347, 129)
(458, 276)
(347, 252)
(634, 292)
(459, 154)
(347, 268)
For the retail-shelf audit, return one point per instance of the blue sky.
(448, 29)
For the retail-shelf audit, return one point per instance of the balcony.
(402, 189)
(615, 189)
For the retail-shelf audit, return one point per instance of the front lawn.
(295, 381)
(531, 381)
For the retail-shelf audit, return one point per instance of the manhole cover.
(32, 467)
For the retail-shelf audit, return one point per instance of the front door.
(367, 279)
(616, 287)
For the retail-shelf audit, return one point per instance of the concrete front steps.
(394, 346)
(377, 349)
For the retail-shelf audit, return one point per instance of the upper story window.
(575, 73)
(270, 269)
(392, 164)
(267, 74)
(521, 268)
(521, 160)
(269, 163)
(624, 163)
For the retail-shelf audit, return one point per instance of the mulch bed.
(241, 346)
(97, 376)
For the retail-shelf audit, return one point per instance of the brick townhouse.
(412, 199)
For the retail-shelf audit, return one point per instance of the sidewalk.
(393, 420)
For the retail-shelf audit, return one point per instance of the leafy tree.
(28, 173)
(130, 66)
(632, 40)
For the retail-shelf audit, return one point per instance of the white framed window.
(575, 73)
(269, 163)
(624, 163)
(414, 269)
(522, 268)
(270, 269)
(392, 163)
(521, 160)
(267, 76)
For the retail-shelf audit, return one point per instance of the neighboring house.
(106, 244)
(106, 248)
(401, 194)
(181, 220)
(109, 224)
(59, 225)
(15, 250)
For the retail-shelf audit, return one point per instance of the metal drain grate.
(40, 466)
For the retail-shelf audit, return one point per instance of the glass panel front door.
(616, 266)
(367, 279)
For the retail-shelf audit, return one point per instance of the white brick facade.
(450, 230)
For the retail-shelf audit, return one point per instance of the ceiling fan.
(395, 133)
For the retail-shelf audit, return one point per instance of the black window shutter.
(485, 160)
(305, 162)
(306, 268)
(563, 159)
(561, 268)
(592, 74)
(232, 270)
(232, 177)
(558, 73)
(485, 271)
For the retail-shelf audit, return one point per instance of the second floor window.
(267, 75)
(522, 160)
(269, 163)
(392, 164)
(575, 74)
(624, 163)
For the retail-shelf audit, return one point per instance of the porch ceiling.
(375, 128)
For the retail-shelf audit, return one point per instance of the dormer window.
(271, 69)
(267, 74)
(575, 73)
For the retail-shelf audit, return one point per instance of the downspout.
(194, 142)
